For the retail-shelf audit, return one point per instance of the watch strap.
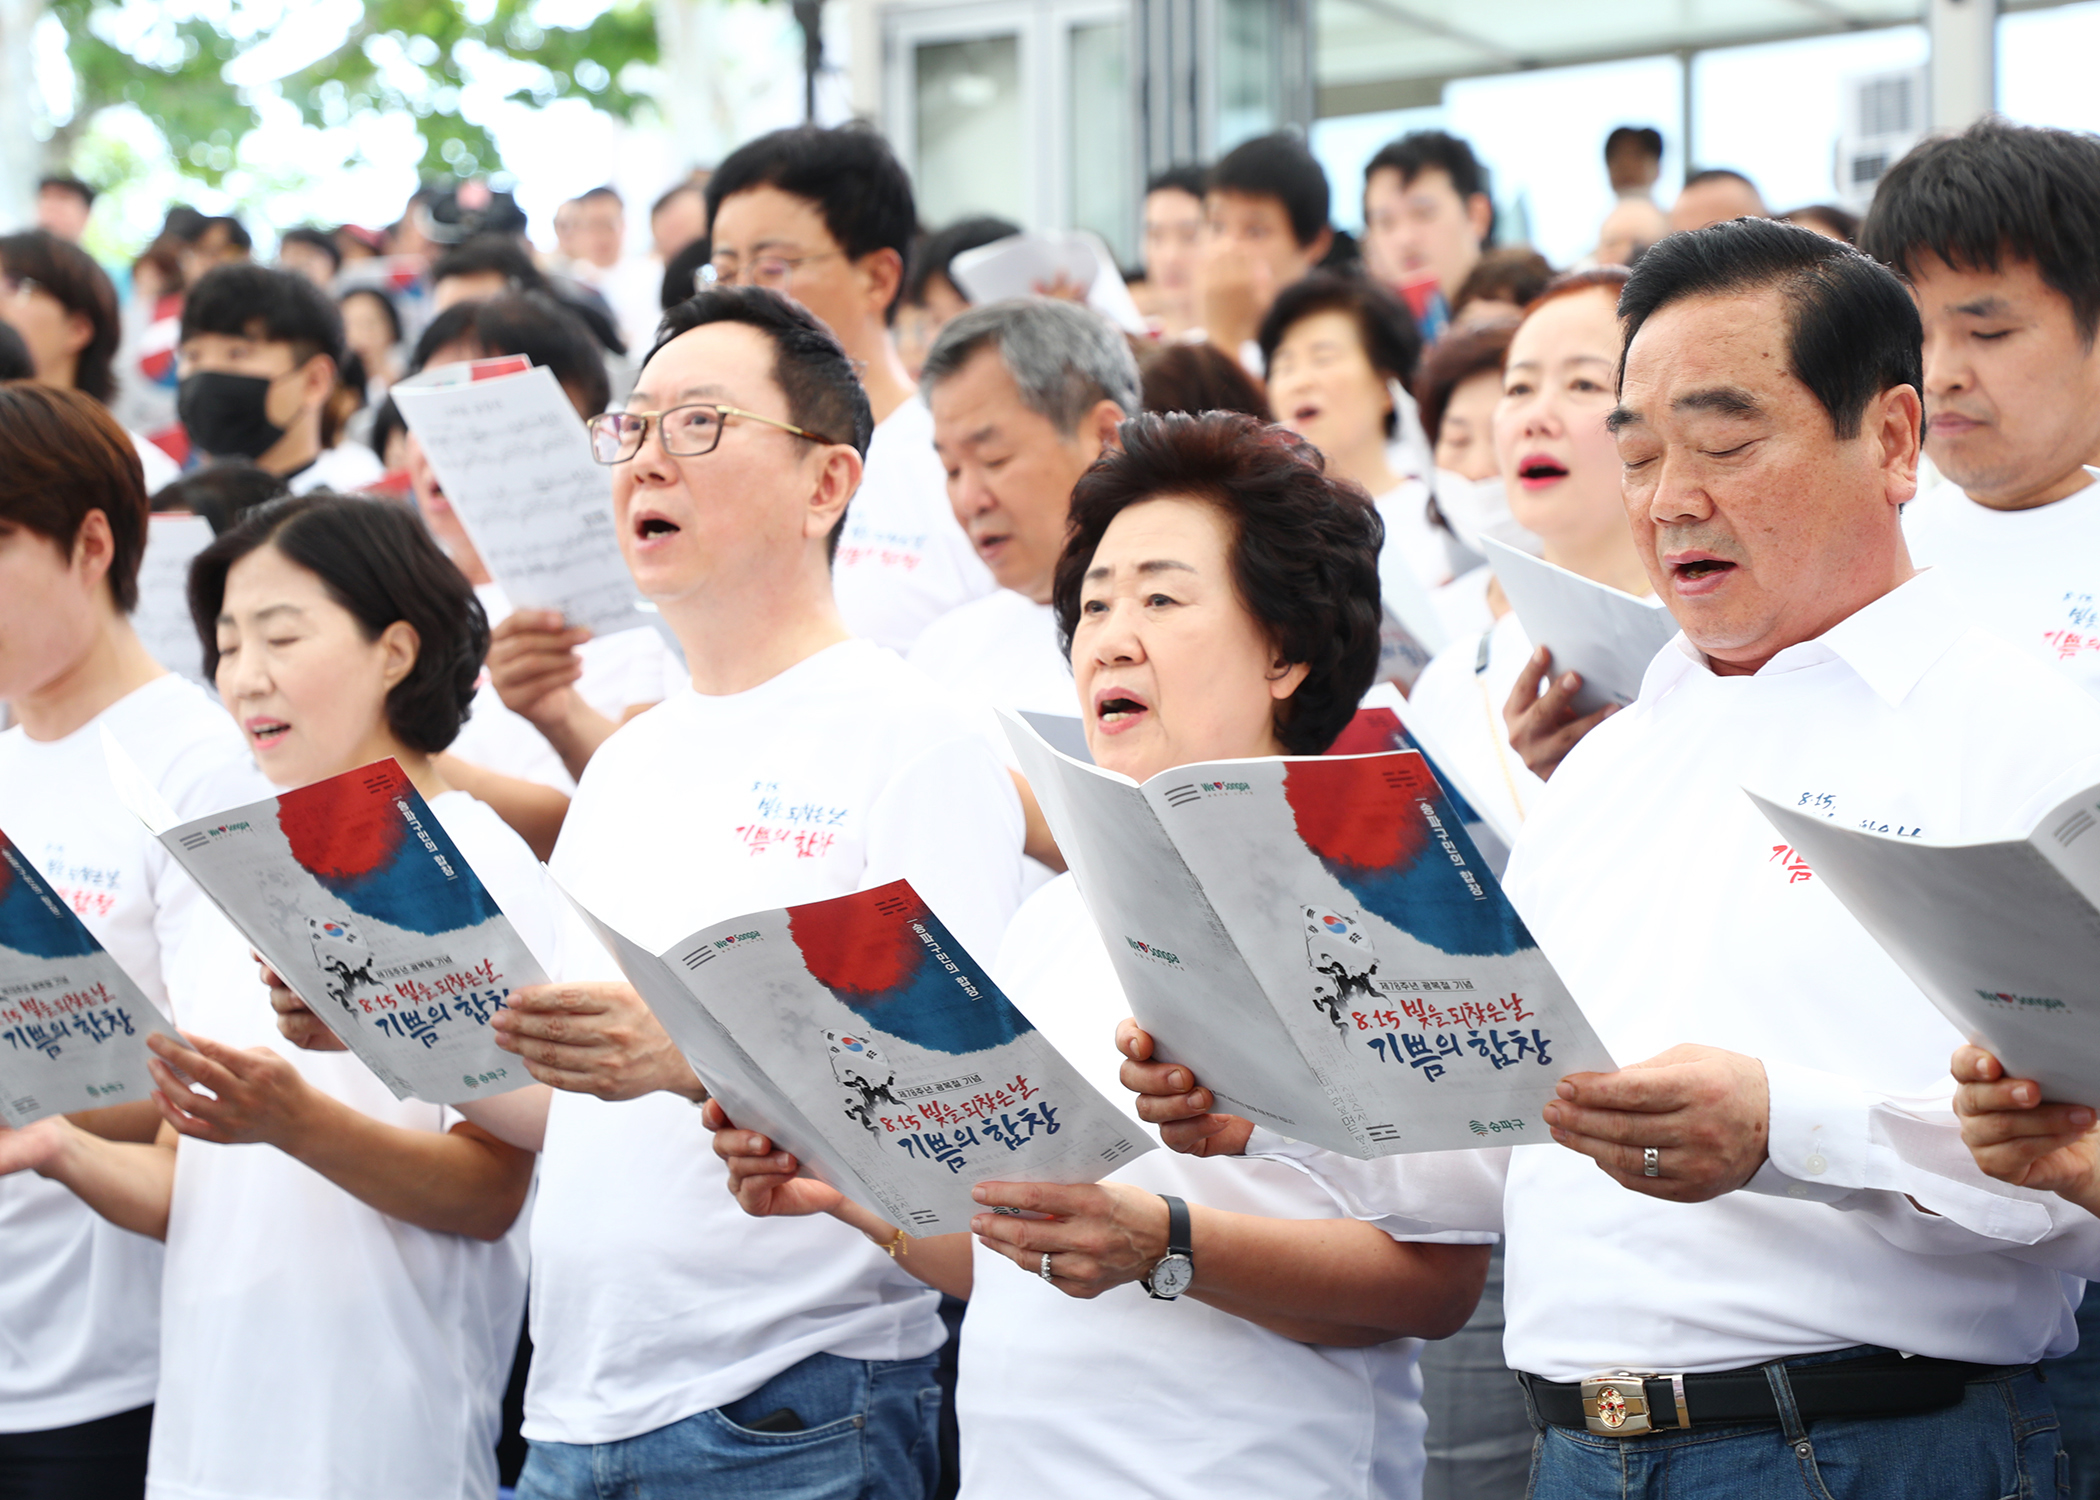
(1178, 1231)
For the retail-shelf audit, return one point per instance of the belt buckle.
(1615, 1404)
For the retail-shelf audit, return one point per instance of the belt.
(1626, 1403)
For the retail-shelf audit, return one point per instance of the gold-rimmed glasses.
(690, 431)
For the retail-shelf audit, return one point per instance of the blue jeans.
(2074, 1388)
(1998, 1443)
(870, 1432)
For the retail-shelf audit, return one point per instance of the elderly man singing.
(1778, 1272)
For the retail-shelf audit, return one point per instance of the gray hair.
(1065, 358)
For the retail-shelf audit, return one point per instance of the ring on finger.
(1651, 1162)
(1043, 1268)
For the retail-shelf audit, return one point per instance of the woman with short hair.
(1256, 638)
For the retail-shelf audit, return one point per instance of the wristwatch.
(1174, 1272)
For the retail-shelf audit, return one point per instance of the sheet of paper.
(1592, 628)
(1018, 264)
(513, 460)
(1998, 935)
(887, 1057)
(353, 892)
(162, 619)
(73, 1025)
(1064, 733)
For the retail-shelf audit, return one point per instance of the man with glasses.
(684, 1348)
(826, 217)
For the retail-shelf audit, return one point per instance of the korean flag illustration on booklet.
(353, 892)
(1318, 938)
(72, 1024)
(861, 1037)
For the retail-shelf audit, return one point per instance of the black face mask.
(227, 415)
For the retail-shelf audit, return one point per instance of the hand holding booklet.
(860, 1036)
(2003, 936)
(1607, 635)
(352, 891)
(73, 1023)
(1317, 939)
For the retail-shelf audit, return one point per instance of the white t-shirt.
(1462, 604)
(346, 468)
(316, 1349)
(903, 558)
(79, 1297)
(619, 671)
(1457, 706)
(1123, 1395)
(2030, 576)
(653, 1295)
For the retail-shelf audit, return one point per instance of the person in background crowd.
(312, 253)
(677, 219)
(1797, 1167)
(64, 307)
(1500, 287)
(63, 204)
(1633, 156)
(1457, 391)
(1173, 251)
(825, 217)
(222, 492)
(1428, 215)
(600, 261)
(259, 355)
(1828, 219)
(1715, 196)
(930, 296)
(372, 331)
(355, 243)
(221, 241)
(1265, 207)
(15, 363)
(1628, 230)
(1317, 1317)
(490, 265)
(1196, 378)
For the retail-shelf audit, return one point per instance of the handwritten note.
(513, 460)
(162, 618)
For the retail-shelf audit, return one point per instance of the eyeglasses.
(767, 270)
(687, 431)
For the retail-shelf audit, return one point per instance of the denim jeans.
(2074, 1388)
(1998, 1443)
(869, 1433)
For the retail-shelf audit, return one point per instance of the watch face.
(1173, 1276)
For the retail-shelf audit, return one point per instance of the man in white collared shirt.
(1820, 1216)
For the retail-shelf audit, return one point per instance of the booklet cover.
(1319, 940)
(862, 1037)
(73, 1022)
(353, 892)
(514, 461)
(1605, 634)
(2003, 936)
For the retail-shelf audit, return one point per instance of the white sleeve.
(1423, 1196)
(1899, 1162)
(950, 823)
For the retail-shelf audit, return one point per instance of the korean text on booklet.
(2004, 937)
(72, 1022)
(1318, 939)
(1605, 634)
(860, 1036)
(355, 895)
(512, 457)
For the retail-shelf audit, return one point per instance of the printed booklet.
(74, 1023)
(1604, 633)
(860, 1036)
(1317, 937)
(2004, 936)
(353, 892)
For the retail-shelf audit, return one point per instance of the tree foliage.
(413, 56)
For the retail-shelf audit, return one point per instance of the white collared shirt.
(2031, 576)
(1676, 914)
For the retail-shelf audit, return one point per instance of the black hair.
(15, 363)
(1304, 548)
(1647, 137)
(183, 223)
(860, 189)
(1277, 166)
(1719, 174)
(682, 272)
(376, 559)
(261, 302)
(504, 255)
(66, 183)
(534, 324)
(1188, 179)
(221, 492)
(1997, 192)
(824, 395)
(1853, 331)
(1840, 223)
(380, 295)
(316, 239)
(1422, 151)
(236, 232)
(1391, 341)
(81, 286)
(386, 421)
(938, 250)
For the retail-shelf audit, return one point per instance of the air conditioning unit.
(1884, 116)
